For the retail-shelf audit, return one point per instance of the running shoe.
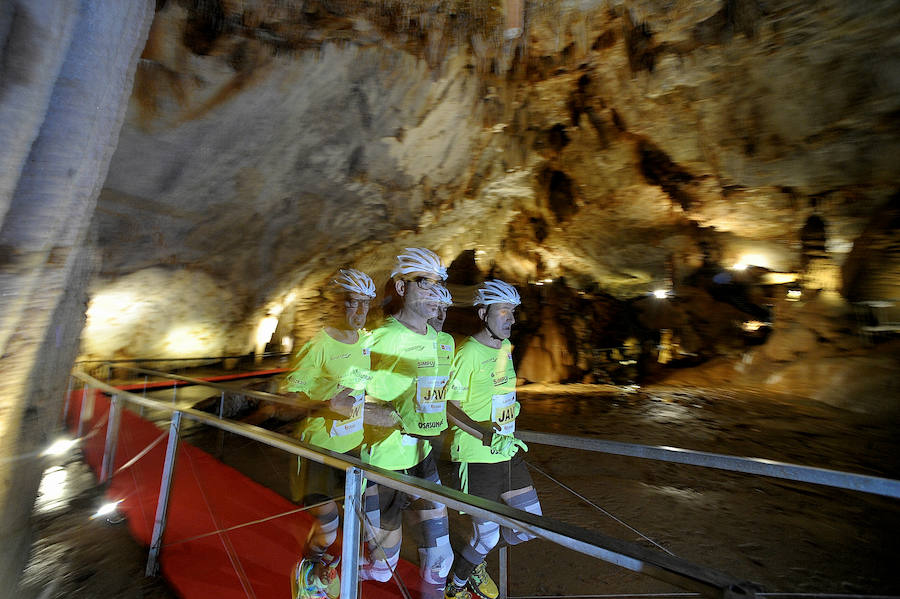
(304, 583)
(481, 584)
(454, 592)
(328, 574)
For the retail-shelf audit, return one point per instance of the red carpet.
(207, 496)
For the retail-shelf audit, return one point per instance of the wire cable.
(252, 522)
(594, 505)
(400, 584)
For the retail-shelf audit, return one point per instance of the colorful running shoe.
(454, 592)
(481, 584)
(304, 583)
(329, 575)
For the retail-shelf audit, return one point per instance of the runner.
(446, 348)
(332, 368)
(483, 408)
(407, 389)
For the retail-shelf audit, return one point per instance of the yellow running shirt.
(405, 373)
(484, 384)
(446, 347)
(319, 369)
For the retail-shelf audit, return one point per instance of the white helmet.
(356, 281)
(496, 292)
(420, 260)
(443, 295)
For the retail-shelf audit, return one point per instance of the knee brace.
(381, 561)
(435, 562)
(323, 534)
(485, 536)
(432, 534)
(526, 501)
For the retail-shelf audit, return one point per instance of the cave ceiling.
(617, 144)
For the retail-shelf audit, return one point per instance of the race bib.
(503, 412)
(430, 394)
(354, 422)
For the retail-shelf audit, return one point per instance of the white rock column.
(67, 73)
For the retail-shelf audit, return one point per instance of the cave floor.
(788, 537)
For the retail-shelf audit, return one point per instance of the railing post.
(68, 399)
(504, 572)
(87, 409)
(165, 489)
(220, 441)
(112, 439)
(352, 526)
(144, 395)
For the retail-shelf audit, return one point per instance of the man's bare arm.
(380, 413)
(458, 418)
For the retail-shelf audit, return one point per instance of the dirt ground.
(787, 537)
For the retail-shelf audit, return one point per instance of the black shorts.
(391, 502)
(490, 481)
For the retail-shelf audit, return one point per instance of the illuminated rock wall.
(621, 145)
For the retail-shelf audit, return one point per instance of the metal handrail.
(759, 466)
(262, 395)
(217, 358)
(707, 581)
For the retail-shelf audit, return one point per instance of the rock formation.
(621, 145)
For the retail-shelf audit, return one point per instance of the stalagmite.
(68, 71)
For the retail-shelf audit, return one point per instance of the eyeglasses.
(353, 304)
(426, 283)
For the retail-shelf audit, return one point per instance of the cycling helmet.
(443, 295)
(420, 260)
(496, 292)
(356, 281)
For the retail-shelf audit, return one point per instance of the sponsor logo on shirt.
(489, 360)
(501, 381)
(366, 351)
(413, 348)
(425, 364)
(506, 414)
(427, 425)
(445, 347)
(340, 357)
(434, 394)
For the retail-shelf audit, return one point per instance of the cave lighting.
(52, 488)
(660, 293)
(289, 298)
(106, 509)
(793, 295)
(779, 278)
(287, 344)
(60, 446)
(265, 330)
(754, 325)
(112, 304)
(750, 260)
(186, 341)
